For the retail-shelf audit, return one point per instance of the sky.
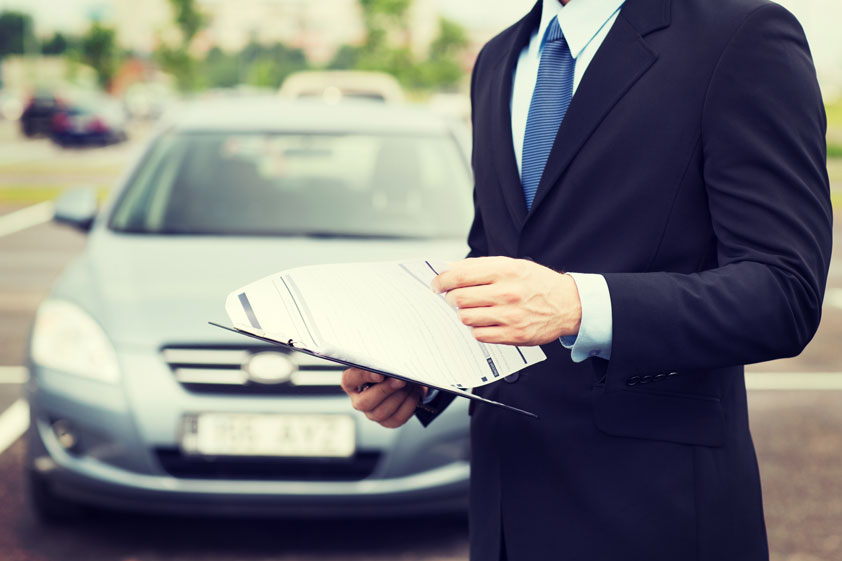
(820, 19)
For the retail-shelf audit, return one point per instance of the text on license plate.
(247, 434)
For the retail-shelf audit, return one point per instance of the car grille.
(223, 370)
(358, 467)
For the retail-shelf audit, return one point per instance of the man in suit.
(671, 155)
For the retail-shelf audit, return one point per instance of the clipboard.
(291, 346)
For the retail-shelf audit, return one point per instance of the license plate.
(246, 434)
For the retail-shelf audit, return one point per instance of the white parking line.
(13, 375)
(13, 423)
(834, 297)
(794, 380)
(15, 420)
(26, 218)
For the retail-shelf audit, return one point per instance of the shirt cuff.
(596, 330)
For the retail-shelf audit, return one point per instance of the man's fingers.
(373, 396)
(474, 296)
(497, 334)
(404, 412)
(469, 272)
(388, 406)
(353, 379)
(481, 317)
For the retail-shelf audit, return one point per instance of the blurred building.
(138, 24)
(319, 28)
(22, 74)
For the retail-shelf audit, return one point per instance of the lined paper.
(383, 315)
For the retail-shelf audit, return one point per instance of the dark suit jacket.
(690, 170)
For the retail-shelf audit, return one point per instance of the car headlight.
(66, 338)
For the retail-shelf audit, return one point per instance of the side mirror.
(77, 207)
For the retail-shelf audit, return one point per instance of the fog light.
(65, 434)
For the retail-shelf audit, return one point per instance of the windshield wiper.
(317, 234)
(326, 234)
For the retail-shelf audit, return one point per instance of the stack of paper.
(383, 316)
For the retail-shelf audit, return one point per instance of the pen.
(362, 387)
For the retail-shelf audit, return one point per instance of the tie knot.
(554, 31)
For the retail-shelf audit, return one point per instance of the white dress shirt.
(584, 23)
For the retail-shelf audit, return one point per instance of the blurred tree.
(220, 69)
(383, 19)
(176, 59)
(385, 13)
(388, 19)
(269, 65)
(443, 68)
(16, 34)
(450, 42)
(265, 73)
(99, 50)
(177, 62)
(345, 58)
(256, 64)
(189, 19)
(58, 44)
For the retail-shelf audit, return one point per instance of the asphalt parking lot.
(796, 418)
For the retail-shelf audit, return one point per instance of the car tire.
(47, 506)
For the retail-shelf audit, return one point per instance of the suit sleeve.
(764, 154)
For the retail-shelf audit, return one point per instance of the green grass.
(834, 134)
(834, 170)
(31, 194)
(62, 167)
(834, 114)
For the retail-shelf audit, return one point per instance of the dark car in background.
(122, 360)
(88, 120)
(37, 116)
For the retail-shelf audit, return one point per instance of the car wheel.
(47, 506)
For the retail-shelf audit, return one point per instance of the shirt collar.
(580, 20)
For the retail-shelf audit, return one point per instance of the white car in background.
(335, 86)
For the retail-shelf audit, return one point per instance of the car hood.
(155, 290)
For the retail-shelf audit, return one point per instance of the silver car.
(122, 360)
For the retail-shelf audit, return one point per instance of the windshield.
(355, 185)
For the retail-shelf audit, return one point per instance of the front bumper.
(116, 467)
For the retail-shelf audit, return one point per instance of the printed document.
(382, 315)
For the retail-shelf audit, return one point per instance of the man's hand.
(389, 402)
(512, 301)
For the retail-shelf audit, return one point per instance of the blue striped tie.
(550, 99)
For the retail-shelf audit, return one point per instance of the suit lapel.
(503, 147)
(620, 62)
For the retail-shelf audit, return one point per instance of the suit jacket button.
(512, 378)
